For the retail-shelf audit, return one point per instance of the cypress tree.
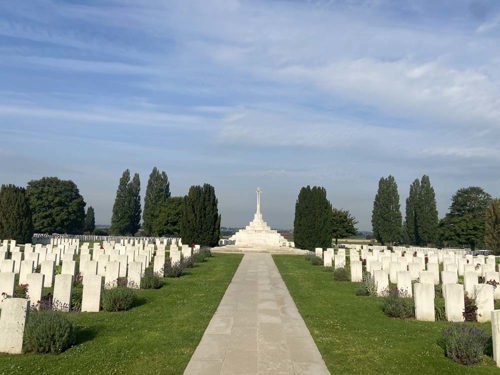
(426, 213)
(411, 213)
(492, 226)
(157, 192)
(15, 214)
(313, 219)
(201, 220)
(89, 220)
(122, 208)
(386, 214)
(135, 189)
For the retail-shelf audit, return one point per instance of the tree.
(122, 209)
(135, 190)
(411, 212)
(169, 217)
(464, 224)
(201, 220)
(127, 207)
(492, 226)
(386, 214)
(89, 220)
(313, 219)
(343, 224)
(157, 192)
(427, 214)
(56, 206)
(421, 213)
(15, 214)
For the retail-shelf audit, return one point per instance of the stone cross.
(258, 200)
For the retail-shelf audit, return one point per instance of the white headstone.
(454, 302)
(381, 279)
(134, 275)
(404, 284)
(12, 322)
(159, 265)
(26, 268)
(414, 269)
(35, 286)
(434, 268)
(63, 287)
(470, 282)
(426, 277)
(339, 261)
(47, 270)
(7, 265)
(91, 297)
(495, 333)
(112, 275)
(449, 277)
(7, 281)
(484, 302)
(424, 301)
(356, 271)
(68, 267)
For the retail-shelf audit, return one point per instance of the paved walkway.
(257, 328)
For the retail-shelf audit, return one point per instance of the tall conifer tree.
(411, 212)
(200, 222)
(157, 192)
(122, 208)
(135, 190)
(15, 214)
(386, 214)
(427, 214)
(90, 220)
(313, 219)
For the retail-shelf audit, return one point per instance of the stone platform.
(234, 249)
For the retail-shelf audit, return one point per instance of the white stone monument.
(258, 234)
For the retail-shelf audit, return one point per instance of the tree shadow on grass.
(84, 334)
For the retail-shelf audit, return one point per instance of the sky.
(247, 94)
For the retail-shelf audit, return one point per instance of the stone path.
(257, 328)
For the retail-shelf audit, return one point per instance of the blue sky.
(240, 94)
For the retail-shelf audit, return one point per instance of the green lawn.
(353, 334)
(157, 337)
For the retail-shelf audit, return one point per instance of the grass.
(355, 337)
(156, 337)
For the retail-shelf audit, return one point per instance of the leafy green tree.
(201, 220)
(386, 214)
(135, 190)
(56, 206)
(157, 192)
(168, 222)
(464, 224)
(421, 222)
(127, 207)
(313, 219)
(343, 224)
(492, 226)
(15, 214)
(411, 213)
(89, 220)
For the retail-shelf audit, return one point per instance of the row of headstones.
(14, 310)
(404, 275)
(424, 250)
(423, 291)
